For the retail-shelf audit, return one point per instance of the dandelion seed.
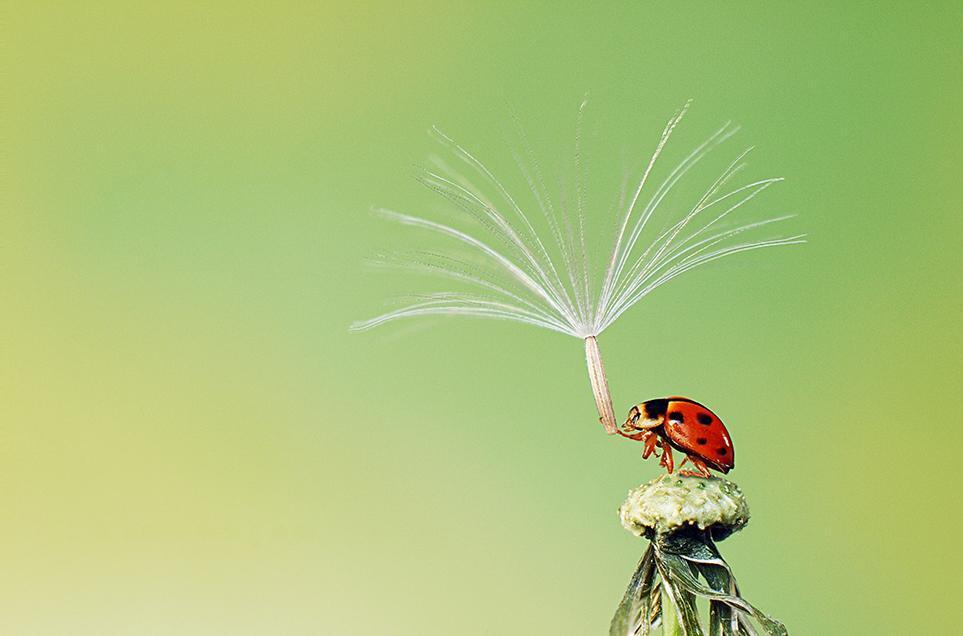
(538, 270)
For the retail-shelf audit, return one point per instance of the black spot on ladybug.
(701, 441)
(655, 409)
(723, 451)
(704, 418)
(676, 416)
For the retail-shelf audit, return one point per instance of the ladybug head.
(647, 415)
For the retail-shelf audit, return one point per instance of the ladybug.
(686, 425)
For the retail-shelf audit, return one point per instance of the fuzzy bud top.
(670, 502)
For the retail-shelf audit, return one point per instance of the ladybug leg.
(667, 460)
(701, 469)
(650, 441)
(636, 435)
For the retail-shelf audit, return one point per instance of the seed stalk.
(600, 385)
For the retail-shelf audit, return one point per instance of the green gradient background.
(192, 443)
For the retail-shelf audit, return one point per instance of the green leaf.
(670, 569)
(721, 622)
(679, 568)
(636, 605)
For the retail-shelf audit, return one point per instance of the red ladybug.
(686, 425)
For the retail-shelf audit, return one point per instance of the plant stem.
(600, 385)
(671, 624)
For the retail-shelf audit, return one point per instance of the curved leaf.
(634, 614)
(679, 593)
(673, 565)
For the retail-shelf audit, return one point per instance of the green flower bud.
(671, 502)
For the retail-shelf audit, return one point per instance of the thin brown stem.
(600, 386)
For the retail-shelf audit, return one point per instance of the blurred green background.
(192, 443)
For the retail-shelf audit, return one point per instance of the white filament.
(527, 283)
